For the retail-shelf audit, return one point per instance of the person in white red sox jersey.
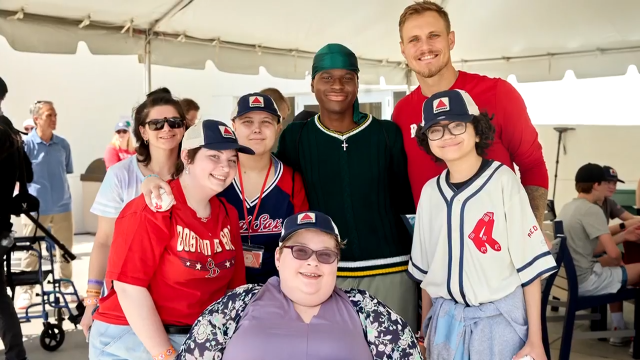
(426, 41)
(477, 250)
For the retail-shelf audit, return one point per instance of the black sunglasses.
(158, 124)
(122, 131)
(301, 252)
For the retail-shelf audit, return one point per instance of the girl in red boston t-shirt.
(168, 266)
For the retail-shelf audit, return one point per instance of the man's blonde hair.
(421, 7)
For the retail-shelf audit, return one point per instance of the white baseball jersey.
(477, 244)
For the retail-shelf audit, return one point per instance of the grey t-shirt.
(583, 223)
(611, 209)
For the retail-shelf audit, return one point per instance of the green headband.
(337, 56)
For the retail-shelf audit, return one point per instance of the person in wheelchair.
(301, 312)
(16, 167)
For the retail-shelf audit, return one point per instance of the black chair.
(575, 303)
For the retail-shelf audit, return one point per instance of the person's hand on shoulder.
(157, 193)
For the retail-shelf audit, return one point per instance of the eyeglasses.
(436, 132)
(158, 124)
(301, 252)
(125, 131)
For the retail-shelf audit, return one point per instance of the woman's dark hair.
(159, 97)
(482, 126)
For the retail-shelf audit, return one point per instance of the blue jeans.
(117, 342)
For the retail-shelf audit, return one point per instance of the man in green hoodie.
(355, 170)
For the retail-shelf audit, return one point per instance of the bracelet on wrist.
(95, 282)
(91, 301)
(165, 354)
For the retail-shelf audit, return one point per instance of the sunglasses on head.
(158, 124)
(301, 252)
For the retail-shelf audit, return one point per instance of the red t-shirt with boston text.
(185, 263)
(516, 139)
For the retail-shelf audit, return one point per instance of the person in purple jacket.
(301, 314)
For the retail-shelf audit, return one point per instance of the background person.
(191, 110)
(15, 166)
(121, 147)
(50, 155)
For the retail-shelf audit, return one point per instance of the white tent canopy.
(534, 40)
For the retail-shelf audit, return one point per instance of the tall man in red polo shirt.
(426, 41)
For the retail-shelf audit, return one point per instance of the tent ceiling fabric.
(535, 40)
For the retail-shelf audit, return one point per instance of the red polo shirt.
(185, 263)
(516, 140)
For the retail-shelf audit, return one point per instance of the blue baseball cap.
(213, 135)
(257, 102)
(450, 105)
(308, 220)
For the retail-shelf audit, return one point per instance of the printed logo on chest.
(414, 128)
(190, 243)
(264, 225)
(482, 234)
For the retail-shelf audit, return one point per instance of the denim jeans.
(117, 342)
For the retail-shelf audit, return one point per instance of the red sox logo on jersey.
(482, 234)
(264, 225)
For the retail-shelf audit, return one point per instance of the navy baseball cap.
(610, 174)
(590, 173)
(213, 135)
(450, 105)
(308, 220)
(256, 102)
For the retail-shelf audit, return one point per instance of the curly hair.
(482, 126)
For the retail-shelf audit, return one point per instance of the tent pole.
(561, 131)
(147, 63)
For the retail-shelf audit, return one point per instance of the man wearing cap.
(426, 41)
(50, 155)
(355, 170)
(588, 234)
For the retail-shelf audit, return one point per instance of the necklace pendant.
(204, 219)
(344, 144)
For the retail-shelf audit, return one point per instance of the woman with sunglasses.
(121, 146)
(166, 267)
(159, 125)
(301, 314)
